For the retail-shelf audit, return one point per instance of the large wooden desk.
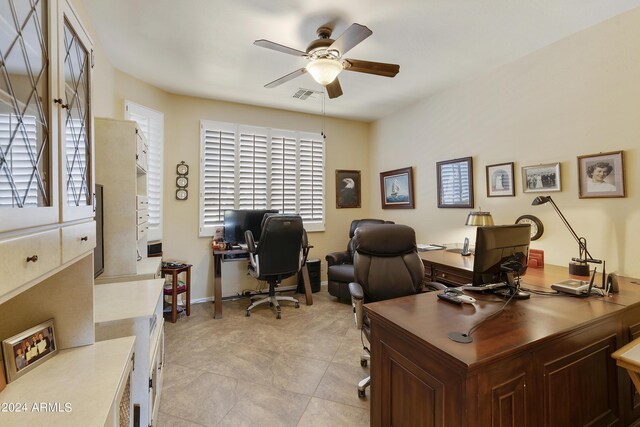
(218, 255)
(545, 361)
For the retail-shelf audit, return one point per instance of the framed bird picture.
(348, 189)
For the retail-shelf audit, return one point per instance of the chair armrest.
(357, 301)
(251, 244)
(434, 286)
(336, 258)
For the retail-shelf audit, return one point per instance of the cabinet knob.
(84, 238)
(32, 258)
(59, 101)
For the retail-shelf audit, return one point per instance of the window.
(248, 167)
(151, 123)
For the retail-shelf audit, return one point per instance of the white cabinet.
(135, 308)
(47, 232)
(121, 150)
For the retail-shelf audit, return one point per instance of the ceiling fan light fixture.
(324, 71)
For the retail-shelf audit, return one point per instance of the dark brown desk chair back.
(340, 264)
(279, 254)
(387, 266)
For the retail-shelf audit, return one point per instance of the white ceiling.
(205, 48)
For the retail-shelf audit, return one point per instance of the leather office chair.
(279, 254)
(387, 266)
(340, 264)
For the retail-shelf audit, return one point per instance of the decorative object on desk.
(536, 225)
(536, 258)
(396, 188)
(28, 349)
(500, 181)
(601, 175)
(478, 219)
(455, 183)
(541, 178)
(579, 266)
(348, 189)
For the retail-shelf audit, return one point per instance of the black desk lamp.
(579, 266)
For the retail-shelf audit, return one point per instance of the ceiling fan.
(326, 61)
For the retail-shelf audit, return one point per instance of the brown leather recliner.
(387, 265)
(340, 264)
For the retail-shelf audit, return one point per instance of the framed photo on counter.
(28, 349)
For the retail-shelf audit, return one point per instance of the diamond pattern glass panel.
(77, 149)
(24, 100)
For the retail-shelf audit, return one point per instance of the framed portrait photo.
(541, 178)
(455, 183)
(500, 180)
(601, 175)
(348, 189)
(396, 189)
(28, 349)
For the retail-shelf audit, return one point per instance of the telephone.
(612, 283)
(465, 247)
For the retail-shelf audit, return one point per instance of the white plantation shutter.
(217, 176)
(76, 162)
(311, 191)
(248, 167)
(253, 169)
(151, 123)
(283, 167)
(18, 161)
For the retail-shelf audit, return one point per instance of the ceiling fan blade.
(351, 37)
(286, 78)
(279, 47)
(333, 89)
(377, 68)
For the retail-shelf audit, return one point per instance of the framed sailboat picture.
(396, 189)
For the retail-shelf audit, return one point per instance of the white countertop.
(126, 300)
(77, 385)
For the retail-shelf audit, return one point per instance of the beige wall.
(346, 148)
(578, 96)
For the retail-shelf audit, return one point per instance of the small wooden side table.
(175, 289)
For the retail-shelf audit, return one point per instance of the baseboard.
(234, 297)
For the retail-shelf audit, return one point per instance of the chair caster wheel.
(270, 304)
(297, 305)
(364, 363)
(277, 315)
(248, 313)
(362, 394)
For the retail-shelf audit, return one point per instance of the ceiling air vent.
(303, 93)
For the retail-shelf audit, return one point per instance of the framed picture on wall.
(500, 180)
(601, 175)
(28, 349)
(348, 189)
(396, 188)
(541, 178)
(455, 183)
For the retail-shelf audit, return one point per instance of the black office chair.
(386, 266)
(280, 253)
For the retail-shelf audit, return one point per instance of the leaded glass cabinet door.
(76, 126)
(28, 148)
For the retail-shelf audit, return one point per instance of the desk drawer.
(450, 276)
(141, 230)
(78, 239)
(143, 216)
(142, 202)
(14, 267)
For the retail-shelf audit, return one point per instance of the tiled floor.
(301, 370)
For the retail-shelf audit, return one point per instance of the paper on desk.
(428, 247)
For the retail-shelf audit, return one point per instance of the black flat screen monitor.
(500, 250)
(237, 221)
